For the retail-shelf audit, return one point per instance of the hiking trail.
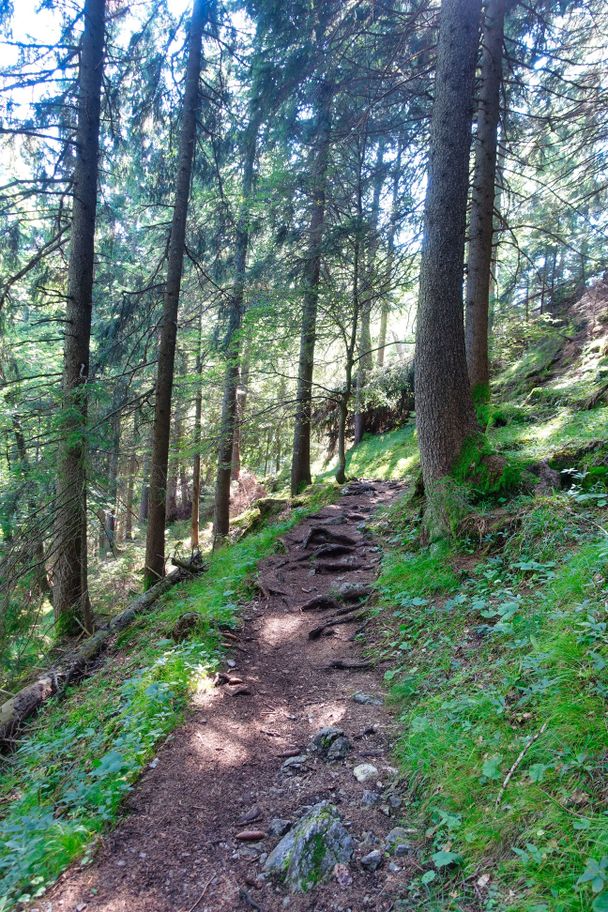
(253, 756)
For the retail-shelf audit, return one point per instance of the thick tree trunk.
(300, 464)
(155, 541)
(221, 514)
(70, 581)
(482, 203)
(444, 408)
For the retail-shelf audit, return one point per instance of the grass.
(509, 664)
(65, 782)
(393, 455)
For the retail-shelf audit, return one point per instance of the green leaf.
(600, 903)
(428, 876)
(491, 767)
(443, 859)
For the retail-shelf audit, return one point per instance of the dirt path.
(231, 766)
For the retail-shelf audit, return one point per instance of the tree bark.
(444, 408)
(71, 601)
(241, 403)
(300, 465)
(196, 462)
(384, 311)
(221, 514)
(155, 540)
(365, 340)
(482, 202)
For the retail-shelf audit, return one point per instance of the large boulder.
(308, 853)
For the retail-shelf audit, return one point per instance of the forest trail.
(242, 762)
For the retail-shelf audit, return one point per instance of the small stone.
(366, 699)
(294, 763)
(394, 868)
(154, 763)
(372, 861)
(364, 771)
(397, 842)
(483, 881)
(343, 876)
(369, 798)
(231, 663)
(338, 749)
(278, 827)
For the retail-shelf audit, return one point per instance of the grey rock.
(372, 861)
(278, 827)
(365, 771)
(366, 699)
(338, 749)
(397, 841)
(308, 853)
(293, 764)
(369, 798)
(324, 738)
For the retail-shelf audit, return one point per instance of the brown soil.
(176, 849)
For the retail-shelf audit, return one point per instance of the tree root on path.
(321, 535)
(350, 665)
(349, 618)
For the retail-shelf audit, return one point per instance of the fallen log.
(16, 711)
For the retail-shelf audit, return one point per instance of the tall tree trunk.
(300, 464)
(444, 407)
(241, 403)
(221, 514)
(482, 202)
(155, 541)
(71, 601)
(110, 511)
(196, 462)
(131, 470)
(365, 340)
(384, 312)
(350, 358)
(145, 480)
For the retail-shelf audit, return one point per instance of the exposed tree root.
(349, 618)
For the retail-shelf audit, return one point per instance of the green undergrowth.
(65, 782)
(393, 455)
(498, 670)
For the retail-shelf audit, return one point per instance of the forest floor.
(243, 762)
